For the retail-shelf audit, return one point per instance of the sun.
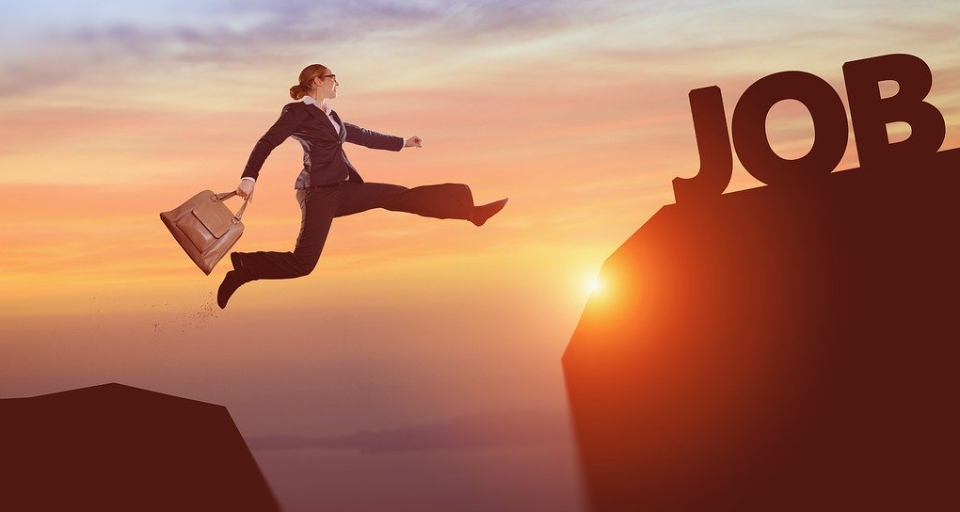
(594, 284)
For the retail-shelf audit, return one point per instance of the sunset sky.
(577, 111)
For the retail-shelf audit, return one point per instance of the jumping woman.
(329, 185)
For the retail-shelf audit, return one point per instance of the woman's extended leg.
(445, 201)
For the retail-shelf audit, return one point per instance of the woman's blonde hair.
(306, 80)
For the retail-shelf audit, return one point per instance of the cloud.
(225, 34)
(517, 428)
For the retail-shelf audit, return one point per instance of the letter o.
(829, 127)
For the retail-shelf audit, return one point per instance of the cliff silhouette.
(118, 448)
(779, 348)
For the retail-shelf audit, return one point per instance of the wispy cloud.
(226, 34)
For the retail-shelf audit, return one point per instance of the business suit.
(329, 186)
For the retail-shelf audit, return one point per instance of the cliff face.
(780, 348)
(118, 448)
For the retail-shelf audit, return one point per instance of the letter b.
(871, 113)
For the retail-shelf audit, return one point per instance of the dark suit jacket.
(324, 161)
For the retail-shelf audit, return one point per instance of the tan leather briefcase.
(205, 227)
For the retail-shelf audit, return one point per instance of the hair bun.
(297, 92)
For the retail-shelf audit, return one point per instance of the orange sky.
(576, 111)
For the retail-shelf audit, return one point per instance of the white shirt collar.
(310, 101)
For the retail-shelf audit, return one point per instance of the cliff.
(118, 448)
(779, 348)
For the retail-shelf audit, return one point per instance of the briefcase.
(205, 227)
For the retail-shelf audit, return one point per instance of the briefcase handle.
(228, 195)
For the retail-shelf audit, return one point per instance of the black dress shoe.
(484, 212)
(231, 282)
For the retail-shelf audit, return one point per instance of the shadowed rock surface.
(118, 448)
(779, 348)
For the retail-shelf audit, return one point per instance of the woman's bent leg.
(318, 207)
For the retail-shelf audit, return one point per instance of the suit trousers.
(319, 206)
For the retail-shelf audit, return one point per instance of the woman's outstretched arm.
(372, 139)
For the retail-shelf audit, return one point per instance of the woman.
(329, 185)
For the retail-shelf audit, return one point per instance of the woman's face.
(327, 85)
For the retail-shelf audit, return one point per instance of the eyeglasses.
(321, 77)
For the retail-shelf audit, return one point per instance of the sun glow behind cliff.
(594, 285)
